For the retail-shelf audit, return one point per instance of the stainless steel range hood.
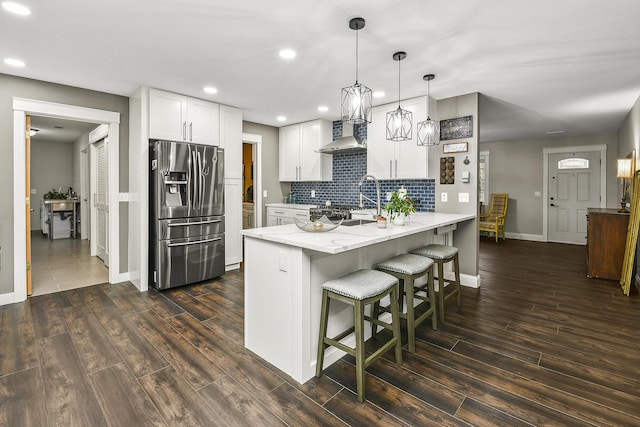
(345, 145)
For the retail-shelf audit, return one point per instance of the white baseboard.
(231, 267)
(522, 236)
(470, 281)
(8, 298)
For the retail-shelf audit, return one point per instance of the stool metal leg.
(456, 270)
(360, 363)
(324, 318)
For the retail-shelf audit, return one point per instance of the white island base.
(285, 268)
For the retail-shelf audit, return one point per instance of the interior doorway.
(59, 168)
(252, 205)
(21, 108)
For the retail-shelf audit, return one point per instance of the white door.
(101, 200)
(85, 219)
(574, 186)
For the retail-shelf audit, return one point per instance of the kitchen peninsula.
(285, 268)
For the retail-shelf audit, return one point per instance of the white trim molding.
(21, 108)
(470, 281)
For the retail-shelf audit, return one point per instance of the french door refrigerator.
(186, 207)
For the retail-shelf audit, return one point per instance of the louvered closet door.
(101, 200)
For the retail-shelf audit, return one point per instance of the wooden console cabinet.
(606, 239)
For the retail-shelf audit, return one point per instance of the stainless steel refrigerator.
(186, 207)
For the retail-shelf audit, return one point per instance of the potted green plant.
(399, 207)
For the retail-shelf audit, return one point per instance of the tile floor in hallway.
(63, 264)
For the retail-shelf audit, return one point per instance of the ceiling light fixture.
(33, 131)
(16, 8)
(399, 121)
(356, 99)
(323, 108)
(429, 130)
(281, 118)
(14, 62)
(210, 89)
(287, 54)
(379, 94)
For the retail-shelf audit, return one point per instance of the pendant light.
(356, 99)
(429, 130)
(399, 121)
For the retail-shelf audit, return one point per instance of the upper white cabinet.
(180, 118)
(298, 159)
(231, 140)
(396, 159)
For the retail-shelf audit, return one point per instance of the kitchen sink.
(352, 222)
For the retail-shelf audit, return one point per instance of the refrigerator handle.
(171, 245)
(201, 187)
(182, 224)
(195, 179)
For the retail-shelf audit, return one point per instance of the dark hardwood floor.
(537, 344)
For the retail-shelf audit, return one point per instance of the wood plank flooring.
(537, 344)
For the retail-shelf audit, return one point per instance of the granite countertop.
(345, 239)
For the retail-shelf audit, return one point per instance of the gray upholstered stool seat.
(407, 268)
(360, 288)
(442, 254)
(436, 251)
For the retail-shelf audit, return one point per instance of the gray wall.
(516, 167)
(270, 177)
(466, 236)
(11, 86)
(51, 167)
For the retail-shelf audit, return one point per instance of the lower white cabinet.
(233, 223)
(285, 215)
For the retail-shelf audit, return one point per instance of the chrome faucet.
(362, 196)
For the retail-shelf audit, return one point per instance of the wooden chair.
(493, 220)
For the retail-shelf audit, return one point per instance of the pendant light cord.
(400, 60)
(357, 31)
(428, 92)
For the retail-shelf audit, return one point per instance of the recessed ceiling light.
(378, 94)
(14, 62)
(33, 131)
(287, 54)
(323, 108)
(16, 8)
(210, 89)
(281, 118)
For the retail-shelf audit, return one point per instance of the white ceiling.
(543, 65)
(59, 130)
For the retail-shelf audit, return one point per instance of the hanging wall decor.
(462, 127)
(447, 170)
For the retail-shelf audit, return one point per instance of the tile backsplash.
(347, 171)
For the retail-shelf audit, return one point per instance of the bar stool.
(442, 254)
(407, 268)
(360, 288)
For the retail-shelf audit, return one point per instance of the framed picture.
(461, 127)
(455, 147)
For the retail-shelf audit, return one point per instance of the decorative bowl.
(317, 226)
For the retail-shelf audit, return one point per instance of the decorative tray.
(317, 226)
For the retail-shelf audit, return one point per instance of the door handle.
(184, 131)
(553, 205)
(190, 131)
(390, 168)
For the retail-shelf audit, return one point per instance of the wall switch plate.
(388, 196)
(264, 193)
(443, 197)
(463, 197)
(537, 194)
(313, 193)
(34, 191)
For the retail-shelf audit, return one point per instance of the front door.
(574, 186)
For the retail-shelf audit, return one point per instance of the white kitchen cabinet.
(231, 140)
(298, 160)
(396, 159)
(232, 223)
(177, 117)
(286, 215)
